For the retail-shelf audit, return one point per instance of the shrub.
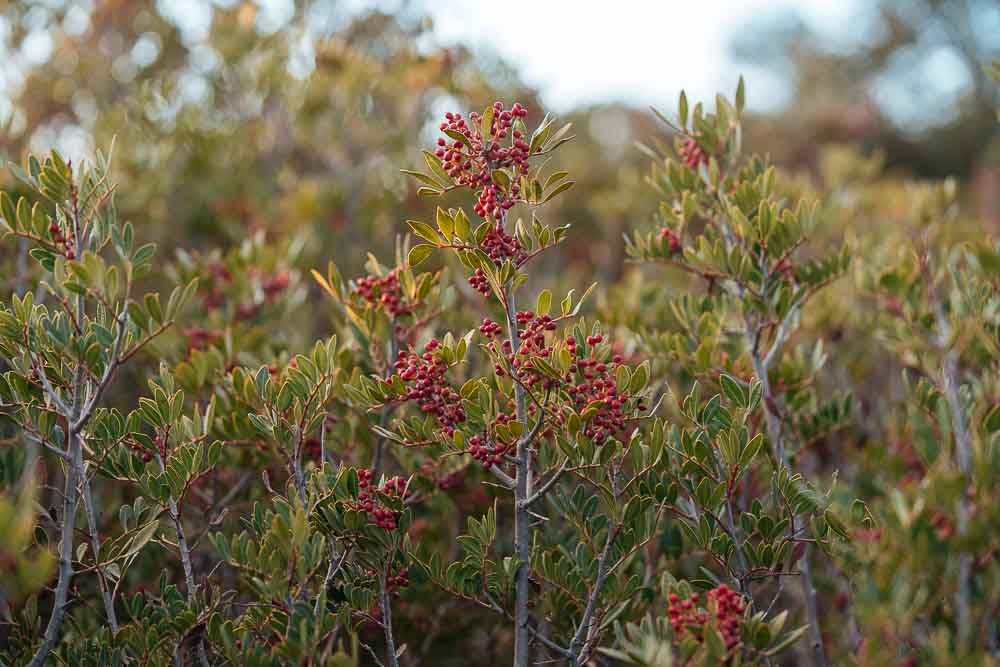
(469, 461)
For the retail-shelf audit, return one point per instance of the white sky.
(639, 51)
(642, 52)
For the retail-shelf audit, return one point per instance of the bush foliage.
(768, 435)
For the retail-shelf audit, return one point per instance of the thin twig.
(522, 518)
(577, 646)
(386, 609)
(544, 489)
(95, 546)
(59, 603)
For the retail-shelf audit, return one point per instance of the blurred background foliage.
(253, 154)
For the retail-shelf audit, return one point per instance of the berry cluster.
(479, 282)
(532, 337)
(670, 240)
(785, 268)
(434, 470)
(425, 381)
(489, 328)
(312, 447)
(138, 448)
(159, 448)
(470, 154)
(67, 242)
(219, 271)
(500, 246)
(588, 380)
(490, 452)
(729, 607)
(726, 608)
(472, 159)
(276, 284)
(200, 338)
(397, 581)
(218, 274)
(942, 525)
(685, 615)
(382, 516)
(384, 293)
(595, 382)
(692, 154)
(482, 451)
(245, 311)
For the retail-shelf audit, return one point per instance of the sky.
(638, 51)
(575, 52)
(581, 52)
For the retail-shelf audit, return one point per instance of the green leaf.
(142, 537)
(423, 178)
(144, 253)
(543, 303)
(151, 412)
(425, 231)
(457, 136)
(153, 307)
(734, 390)
(8, 211)
(261, 380)
(639, 378)
(554, 178)
(263, 424)
(419, 253)
(562, 187)
(434, 163)
(45, 257)
(138, 315)
(786, 641)
(501, 178)
(486, 123)
(462, 226)
(992, 420)
(445, 223)
(752, 449)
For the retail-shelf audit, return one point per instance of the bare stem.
(300, 480)
(386, 608)
(773, 423)
(335, 564)
(70, 496)
(963, 456)
(185, 553)
(578, 646)
(95, 546)
(21, 268)
(379, 452)
(522, 516)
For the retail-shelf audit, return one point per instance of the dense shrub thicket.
(770, 437)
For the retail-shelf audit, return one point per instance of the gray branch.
(963, 457)
(578, 647)
(379, 452)
(113, 362)
(522, 517)
(59, 602)
(95, 546)
(761, 365)
(544, 489)
(386, 608)
(185, 554)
